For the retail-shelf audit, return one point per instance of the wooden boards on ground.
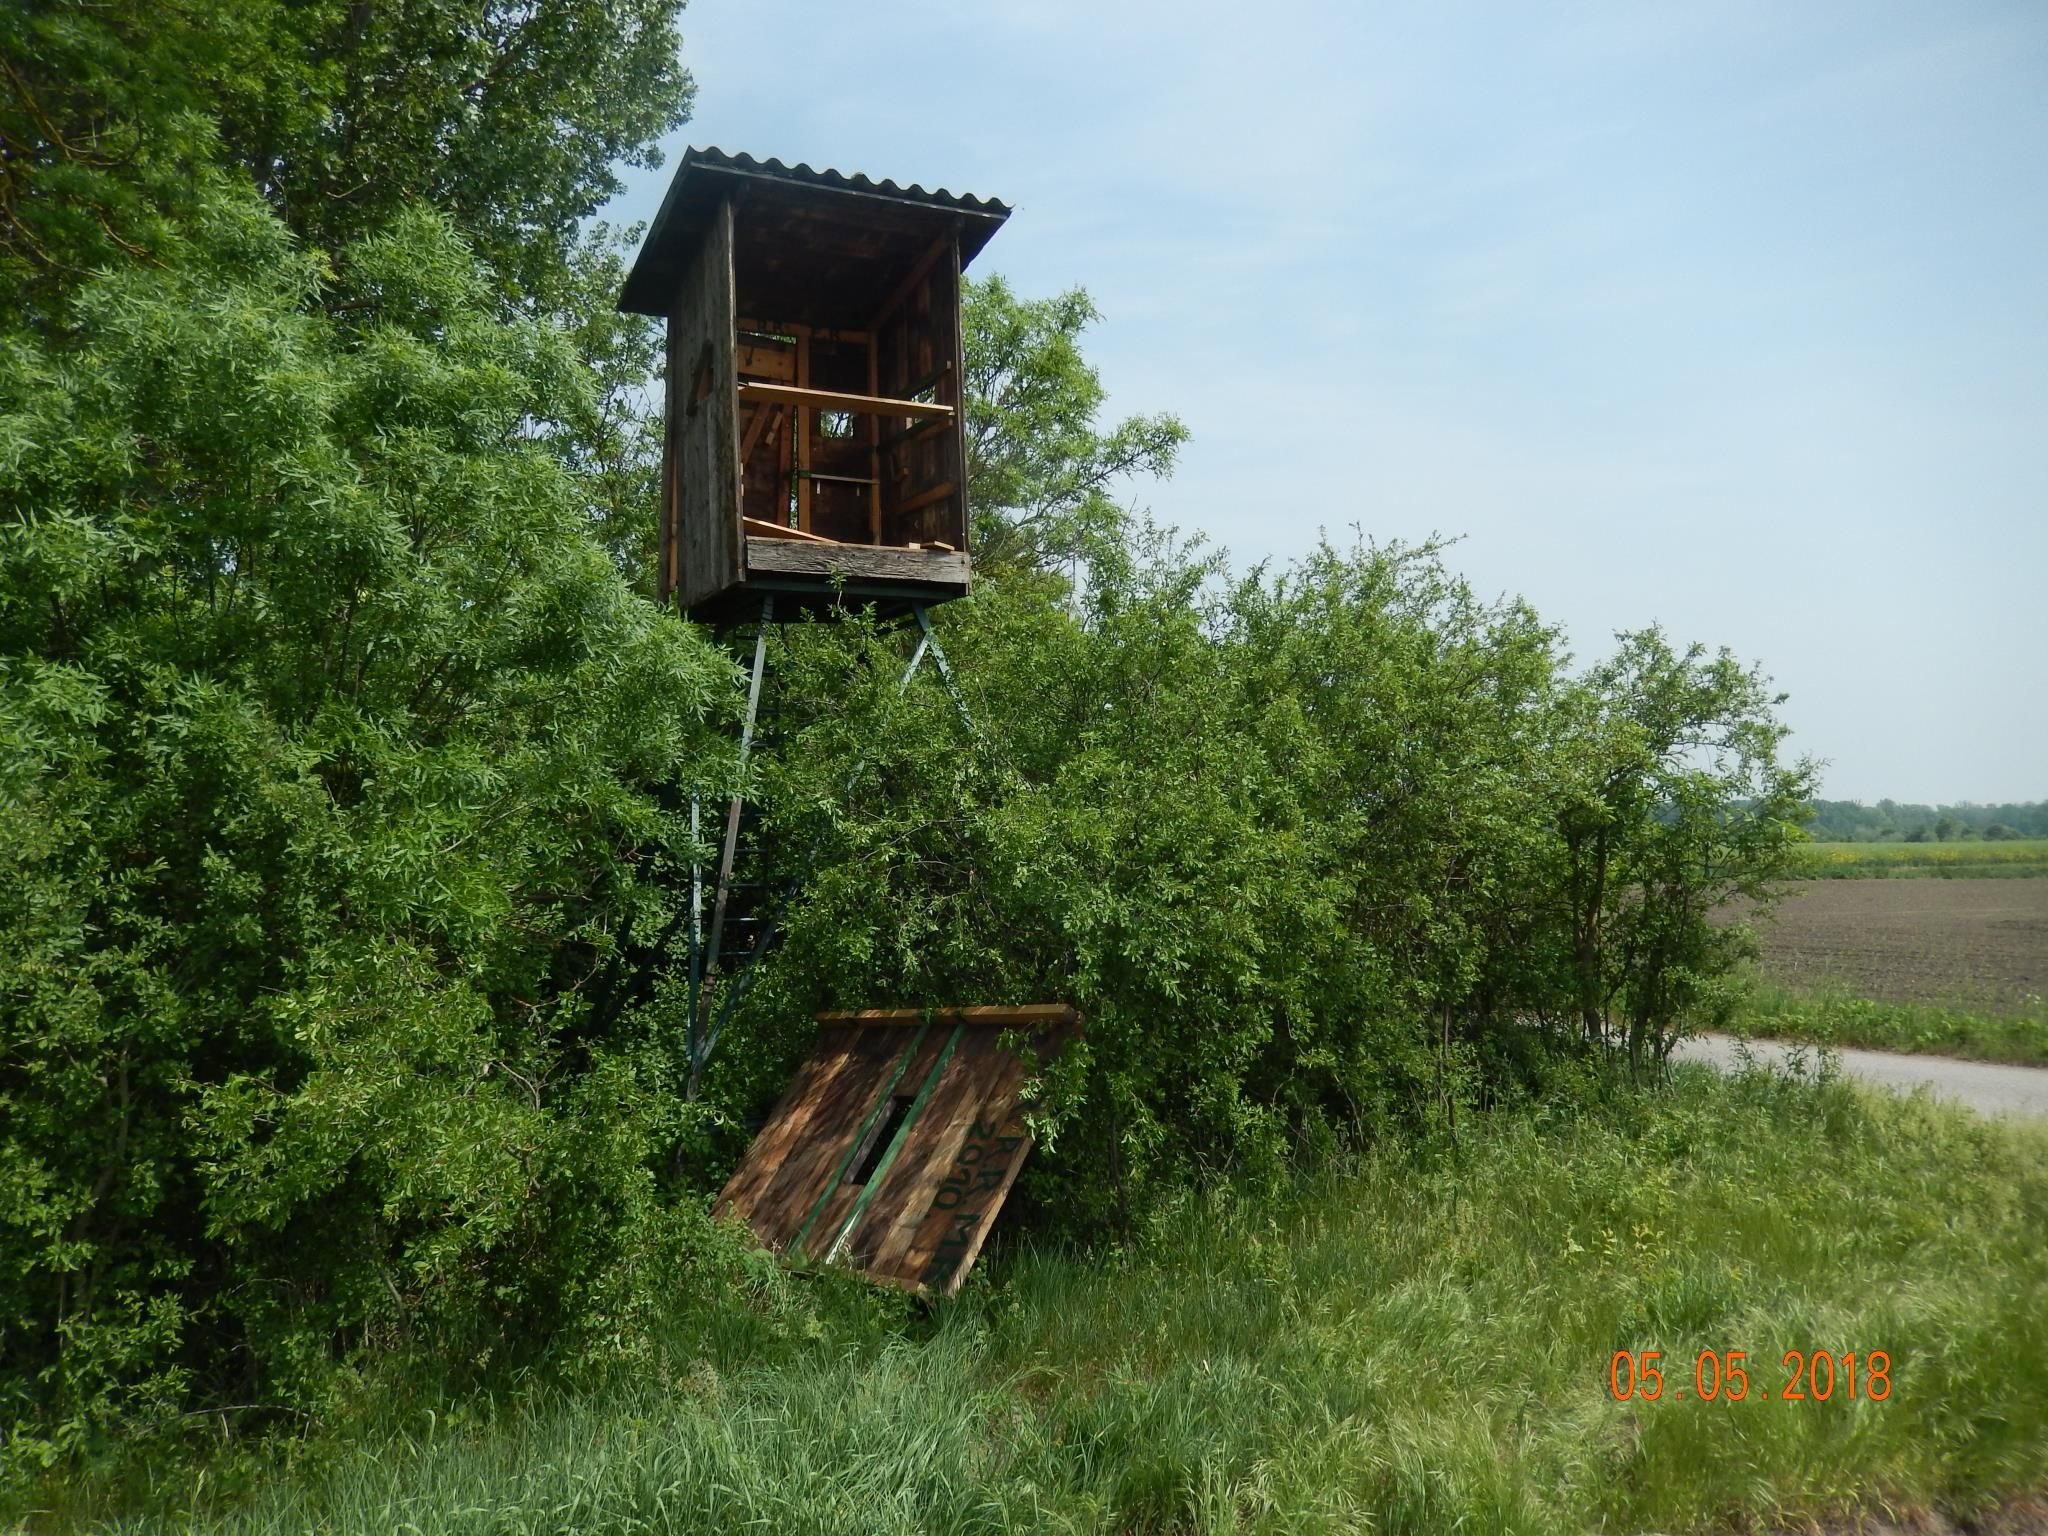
(898, 1140)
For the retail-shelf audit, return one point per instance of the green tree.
(1677, 803)
(510, 117)
(336, 758)
(1039, 470)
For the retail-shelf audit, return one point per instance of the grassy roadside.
(1835, 1019)
(1413, 1344)
(2021, 858)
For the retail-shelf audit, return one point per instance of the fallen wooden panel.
(898, 1140)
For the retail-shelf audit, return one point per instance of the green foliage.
(1413, 1344)
(1997, 857)
(336, 756)
(337, 764)
(1310, 850)
(1676, 803)
(510, 117)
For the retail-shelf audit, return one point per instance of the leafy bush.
(335, 754)
(1328, 854)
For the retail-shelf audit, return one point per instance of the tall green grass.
(2021, 857)
(1836, 1019)
(1418, 1343)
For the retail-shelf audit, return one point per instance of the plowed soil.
(1979, 944)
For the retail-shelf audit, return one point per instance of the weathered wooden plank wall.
(706, 551)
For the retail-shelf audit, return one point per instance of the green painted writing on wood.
(980, 1169)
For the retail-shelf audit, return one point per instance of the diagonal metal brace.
(703, 1040)
(732, 809)
(928, 639)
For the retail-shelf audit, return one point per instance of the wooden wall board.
(666, 554)
(708, 552)
(985, 1160)
(830, 1200)
(898, 1140)
(874, 437)
(950, 526)
(801, 424)
(854, 563)
(817, 1119)
(878, 1242)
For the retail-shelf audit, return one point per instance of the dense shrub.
(335, 753)
(1323, 853)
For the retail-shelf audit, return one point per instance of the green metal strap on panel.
(881, 1172)
(796, 1244)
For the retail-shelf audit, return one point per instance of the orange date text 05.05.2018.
(1725, 1376)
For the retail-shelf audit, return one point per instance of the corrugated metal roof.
(703, 175)
(963, 201)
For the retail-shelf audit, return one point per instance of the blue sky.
(1730, 317)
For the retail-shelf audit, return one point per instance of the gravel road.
(1984, 1086)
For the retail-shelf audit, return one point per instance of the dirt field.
(1965, 943)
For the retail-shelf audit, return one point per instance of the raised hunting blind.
(814, 457)
(815, 446)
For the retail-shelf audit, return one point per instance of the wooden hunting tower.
(814, 442)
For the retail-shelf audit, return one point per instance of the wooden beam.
(914, 434)
(924, 499)
(757, 428)
(758, 528)
(665, 531)
(874, 448)
(838, 400)
(1003, 1017)
(908, 286)
(800, 422)
(812, 561)
(931, 380)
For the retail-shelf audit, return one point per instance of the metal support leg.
(708, 1021)
(696, 993)
(732, 810)
(926, 637)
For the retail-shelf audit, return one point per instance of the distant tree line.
(1892, 821)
